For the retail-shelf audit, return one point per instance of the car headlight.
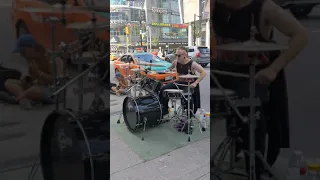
(152, 72)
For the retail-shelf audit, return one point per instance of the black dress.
(234, 25)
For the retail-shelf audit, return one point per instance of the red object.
(303, 171)
(198, 54)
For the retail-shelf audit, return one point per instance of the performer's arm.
(290, 27)
(199, 69)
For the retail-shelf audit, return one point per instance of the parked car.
(114, 56)
(158, 73)
(199, 54)
(29, 20)
(298, 8)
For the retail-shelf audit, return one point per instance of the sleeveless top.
(184, 69)
(235, 26)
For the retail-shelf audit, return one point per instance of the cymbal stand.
(127, 93)
(252, 102)
(53, 21)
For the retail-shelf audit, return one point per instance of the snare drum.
(76, 145)
(218, 102)
(173, 93)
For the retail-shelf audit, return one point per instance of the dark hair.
(182, 48)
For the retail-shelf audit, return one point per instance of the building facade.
(127, 21)
(164, 24)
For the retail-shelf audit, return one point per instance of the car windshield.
(147, 58)
(204, 50)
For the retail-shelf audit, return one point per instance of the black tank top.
(236, 24)
(183, 69)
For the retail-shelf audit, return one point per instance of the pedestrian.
(121, 85)
(232, 21)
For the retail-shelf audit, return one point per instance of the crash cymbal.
(251, 46)
(88, 26)
(151, 64)
(188, 76)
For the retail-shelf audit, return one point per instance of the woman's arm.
(290, 27)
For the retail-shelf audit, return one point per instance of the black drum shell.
(76, 160)
(151, 85)
(142, 107)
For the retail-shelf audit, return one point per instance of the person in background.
(37, 84)
(121, 86)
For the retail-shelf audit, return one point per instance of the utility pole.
(140, 22)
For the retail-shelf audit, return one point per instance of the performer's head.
(181, 53)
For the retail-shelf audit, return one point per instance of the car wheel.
(22, 29)
(300, 12)
(204, 64)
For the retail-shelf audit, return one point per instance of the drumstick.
(230, 74)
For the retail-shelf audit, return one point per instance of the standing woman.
(232, 21)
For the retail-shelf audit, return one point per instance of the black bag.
(5, 74)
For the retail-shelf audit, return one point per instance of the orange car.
(157, 72)
(27, 17)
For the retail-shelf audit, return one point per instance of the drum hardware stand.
(253, 103)
(144, 126)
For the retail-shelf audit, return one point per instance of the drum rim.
(124, 111)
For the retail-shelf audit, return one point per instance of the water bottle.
(203, 122)
(198, 114)
(296, 166)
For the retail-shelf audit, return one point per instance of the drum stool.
(174, 95)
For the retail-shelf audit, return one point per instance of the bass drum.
(76, 146)
(140, 109)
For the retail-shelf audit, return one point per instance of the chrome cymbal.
(151, 64)
(88, 26)
(188, 76)
(251, 46)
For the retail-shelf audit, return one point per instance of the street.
(20, 130)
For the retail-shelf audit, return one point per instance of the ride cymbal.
(251, 46)
(188, 76)
(151, 64)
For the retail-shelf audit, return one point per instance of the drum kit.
(75, 144)
(145, 110)
(224, 102)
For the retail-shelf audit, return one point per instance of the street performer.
(183, 66)
(232, 23)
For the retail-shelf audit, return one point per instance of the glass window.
(147, 58)
(112, 2)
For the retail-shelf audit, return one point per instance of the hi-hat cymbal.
(151, 64)
(88, 26)
(251, 46)
(188, 76)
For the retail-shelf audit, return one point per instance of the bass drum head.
(60, 154)
(130, 114)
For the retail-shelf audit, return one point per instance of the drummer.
(231, 22)
(183, 65)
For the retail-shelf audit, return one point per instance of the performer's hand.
(193, 85)
(266, 76)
